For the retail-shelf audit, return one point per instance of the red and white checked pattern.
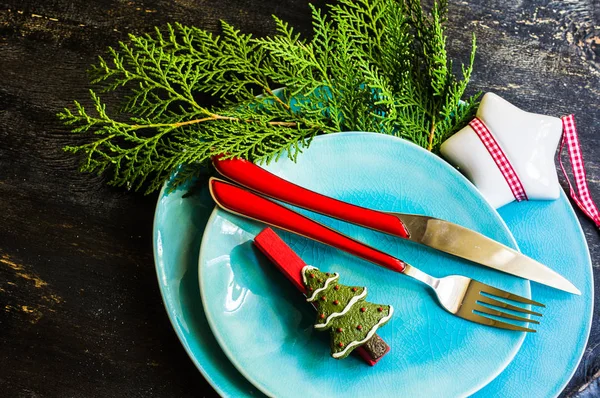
(582, 196)
(490, 143)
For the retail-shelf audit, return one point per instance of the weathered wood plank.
(81, 314)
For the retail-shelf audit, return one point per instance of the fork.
(464, 297)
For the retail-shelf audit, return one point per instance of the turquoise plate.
(264, 325)
(550, 233)
(541, 368)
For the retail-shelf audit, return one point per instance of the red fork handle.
(260, 180)
(245, 203)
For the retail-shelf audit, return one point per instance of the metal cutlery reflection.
(459, 295)
(429, 231)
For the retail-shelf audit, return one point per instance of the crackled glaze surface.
(263, 324)
(182, 222)
(548, 359)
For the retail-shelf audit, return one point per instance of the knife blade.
(436, 233)
(465, 243)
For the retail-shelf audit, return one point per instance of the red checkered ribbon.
(490, 143)
(582, 196)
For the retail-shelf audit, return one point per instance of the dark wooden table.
(80, 313)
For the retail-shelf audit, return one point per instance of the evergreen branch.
(370, 65)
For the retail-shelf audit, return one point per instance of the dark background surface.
(80, 310)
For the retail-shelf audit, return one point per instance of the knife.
(429, 231)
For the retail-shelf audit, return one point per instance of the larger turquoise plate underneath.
(265, 326)
(541, 368)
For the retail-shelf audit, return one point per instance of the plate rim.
(170, 312)
(571, 210)
(593, 289)
(217, 211)
(591, 313)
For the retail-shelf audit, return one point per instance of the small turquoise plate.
(265, 327)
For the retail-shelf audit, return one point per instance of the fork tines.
(479, 306)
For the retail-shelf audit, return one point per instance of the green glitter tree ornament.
(343, 311)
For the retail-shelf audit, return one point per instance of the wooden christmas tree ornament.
(339, 308)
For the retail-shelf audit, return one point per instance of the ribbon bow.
(581, 196)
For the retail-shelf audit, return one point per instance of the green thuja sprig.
(370, 65)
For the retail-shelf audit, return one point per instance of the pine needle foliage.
(370, 65)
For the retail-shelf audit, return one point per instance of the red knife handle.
(245, 203)
(260, 180)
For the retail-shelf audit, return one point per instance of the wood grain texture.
(81, 313)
